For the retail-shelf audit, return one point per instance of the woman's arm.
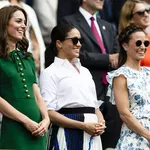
(7, 110)
(42, 107)
(99, 116)
(122, 103)
(100, 120)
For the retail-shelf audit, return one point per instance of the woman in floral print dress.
(130, 89)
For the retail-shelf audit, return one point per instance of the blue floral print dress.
(138, 84)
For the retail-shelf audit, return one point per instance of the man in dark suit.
(95, 60)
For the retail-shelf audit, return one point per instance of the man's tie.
(100, 43)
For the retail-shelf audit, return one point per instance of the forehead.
(18, 14)
(73, 32)
(139, 6)
(138, 35)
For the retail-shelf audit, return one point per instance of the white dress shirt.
(87, 17)
(62, 86)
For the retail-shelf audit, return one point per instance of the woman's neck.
(134, 65)
(12, 46)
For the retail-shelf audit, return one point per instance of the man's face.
(93, 5)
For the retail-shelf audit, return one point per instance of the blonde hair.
(126, 13)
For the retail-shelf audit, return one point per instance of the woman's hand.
(102, 128)
(94, 129)
(31, 125)
(43, 127)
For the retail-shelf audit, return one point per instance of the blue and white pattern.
(75, 139)
(138, 84)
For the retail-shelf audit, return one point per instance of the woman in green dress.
(25, 118)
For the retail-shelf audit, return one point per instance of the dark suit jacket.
(91, 56)
(66, 7)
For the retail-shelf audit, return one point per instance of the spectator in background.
(99, 54)
(69, 92)
(46, 11)
(33, 33)
(111, 11)
(135, 12)
(147, 2)
(130, 90)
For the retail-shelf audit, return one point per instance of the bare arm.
(45, 118)
(122, 103)
(12, 113)
(101, 121)
(99, 116)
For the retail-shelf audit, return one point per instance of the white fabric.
(32, 21)
(62, 86)
(46, 11)
(87, 17)
(95, 141)
(35, 25)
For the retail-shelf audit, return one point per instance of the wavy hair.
(127, 13)
(6, 14)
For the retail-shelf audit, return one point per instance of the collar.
(86, 14)
(63, 62)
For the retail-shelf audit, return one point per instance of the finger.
(38, 130)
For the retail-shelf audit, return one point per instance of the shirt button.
(19, 64)
(22, 74)
(23, 80)
(28, 96)
(15, 54)
(17, 58)
(21, 69)
(25, 86)
(26, 91)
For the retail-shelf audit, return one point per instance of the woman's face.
(16, 26)
(141, 15)
(136, 47)
(70, 50)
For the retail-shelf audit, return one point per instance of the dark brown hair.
(125, 37)
(59, 32)
(6, 14)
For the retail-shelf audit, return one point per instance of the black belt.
(78, 110)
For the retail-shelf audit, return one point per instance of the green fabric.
(13, 89)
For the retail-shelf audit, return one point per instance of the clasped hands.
(95, 129)
(37, 129)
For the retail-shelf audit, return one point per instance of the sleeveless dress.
(17, 75)
(138, 84)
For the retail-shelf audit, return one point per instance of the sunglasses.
(75, 40)
(142, 12)
(139, 43)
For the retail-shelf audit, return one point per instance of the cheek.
(10, 30)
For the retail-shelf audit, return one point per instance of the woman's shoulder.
(123, 70)
(146, 69)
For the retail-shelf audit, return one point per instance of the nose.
(23, 25)
(146, 13)
(79, 44)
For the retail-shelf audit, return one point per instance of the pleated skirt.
(74, 139)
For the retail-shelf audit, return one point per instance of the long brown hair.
(6, 14)
(126, 13)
